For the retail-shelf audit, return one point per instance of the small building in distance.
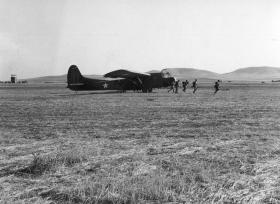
(13, 78)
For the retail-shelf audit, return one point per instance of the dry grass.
(59, 147)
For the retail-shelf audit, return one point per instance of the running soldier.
(194, 85)
(184, 84)
(172, 87)
(187, 83)
(217, 86)
(176, 86)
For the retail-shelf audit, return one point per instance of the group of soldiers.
(175, 86)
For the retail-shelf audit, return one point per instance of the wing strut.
(140, 81)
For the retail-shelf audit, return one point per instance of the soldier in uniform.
(172, 87)
(217, 86)
(187, 83)
(194, 85)
(184, 86)
(176, 86)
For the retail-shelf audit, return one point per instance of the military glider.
(119, 80)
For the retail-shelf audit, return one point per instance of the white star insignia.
(105, 85)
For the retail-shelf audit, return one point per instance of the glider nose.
(169, 81)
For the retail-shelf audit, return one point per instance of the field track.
(65, 147)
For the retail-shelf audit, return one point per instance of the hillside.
(190, 73)
(48, 79)
(55, 79)
(253, 74)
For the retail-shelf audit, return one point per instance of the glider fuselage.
(143, 82)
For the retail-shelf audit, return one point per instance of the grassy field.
(58, 146)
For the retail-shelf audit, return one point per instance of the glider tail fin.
(74, 76)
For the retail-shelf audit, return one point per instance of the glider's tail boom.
(74, 77)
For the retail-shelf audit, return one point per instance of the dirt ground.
(58, 146)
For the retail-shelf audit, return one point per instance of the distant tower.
(13, 78)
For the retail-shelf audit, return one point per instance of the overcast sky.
(40, 37)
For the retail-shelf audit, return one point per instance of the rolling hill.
(190, 73)
(56, 79)
(254, 74)
(48, 79)
(263, 73)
